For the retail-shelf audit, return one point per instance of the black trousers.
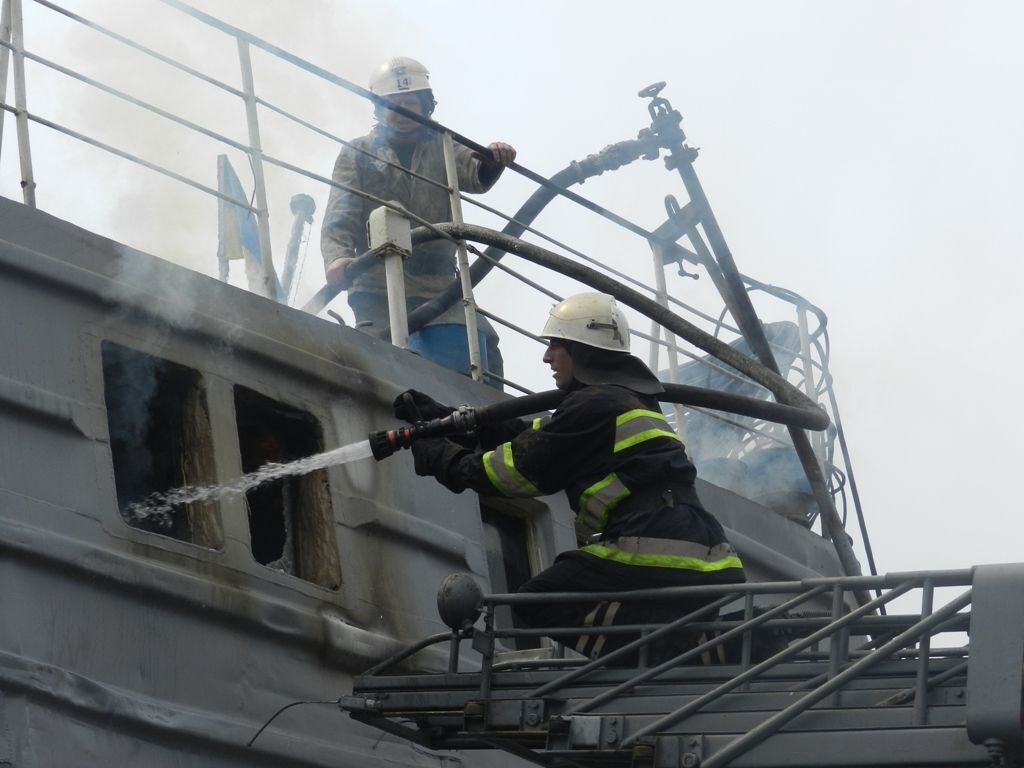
(582, 572)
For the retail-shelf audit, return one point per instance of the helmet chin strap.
(612, 326)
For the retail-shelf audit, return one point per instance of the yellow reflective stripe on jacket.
(540, 421)
(686, 562)
(599, 499)
(501, 471)
(639, 425)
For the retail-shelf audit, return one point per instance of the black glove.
(415, 406)
(435, 456)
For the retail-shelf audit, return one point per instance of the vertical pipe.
(291, 254)
(472, 338)
(924, 648)
(302, 207)
(808, 364)
(28, 184)
(670, 338)
(5, 58)
(269, 278)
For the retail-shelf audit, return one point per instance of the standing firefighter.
(623, 468)
(364, 165)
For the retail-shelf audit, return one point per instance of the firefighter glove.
(436, 456)
(412, 406)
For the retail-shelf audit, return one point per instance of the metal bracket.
(360, 703)
(678, 752)
(668, 752)
(505, 715)
(388, 231)
(591, 732)
(685, 220)
(481, 642)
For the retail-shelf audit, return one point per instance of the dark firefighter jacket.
(625, 471)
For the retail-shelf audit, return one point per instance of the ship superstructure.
(168, 639)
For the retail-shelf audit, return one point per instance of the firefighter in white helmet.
(408, 144)
(624, 469)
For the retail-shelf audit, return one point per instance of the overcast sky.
(866, 155)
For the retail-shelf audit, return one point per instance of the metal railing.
(817, 619)
(807, 359)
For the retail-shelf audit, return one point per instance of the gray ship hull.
(127, 645)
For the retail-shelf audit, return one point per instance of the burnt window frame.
(309, 550)
(176, 457)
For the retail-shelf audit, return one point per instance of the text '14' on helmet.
(589, 318)
(400, 75)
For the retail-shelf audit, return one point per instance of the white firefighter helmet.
(589, 318)
(400, 75)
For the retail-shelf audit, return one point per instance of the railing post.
(453, 652)
(486, 649)
(747, 645)
(256, 155)
(5, 58)
(390, 237)
(670, 338)
(28, 184)
(924, 648)
(837, 642)
(472, 338)
(807, 362)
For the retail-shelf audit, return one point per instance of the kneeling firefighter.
(624, 469)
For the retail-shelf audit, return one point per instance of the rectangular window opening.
(291, 523)
(160, 439)
(507, 545)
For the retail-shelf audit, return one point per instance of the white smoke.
(159, 215)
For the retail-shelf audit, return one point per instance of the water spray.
(464, 420)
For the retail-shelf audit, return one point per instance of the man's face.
(558, 357)
(401, 124)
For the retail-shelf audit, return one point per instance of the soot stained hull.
(124, 646)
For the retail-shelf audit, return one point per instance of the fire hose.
(465, 419)
(760, 373)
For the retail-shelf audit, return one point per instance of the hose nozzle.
(387, 441)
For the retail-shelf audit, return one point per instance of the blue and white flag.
(238, 234)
